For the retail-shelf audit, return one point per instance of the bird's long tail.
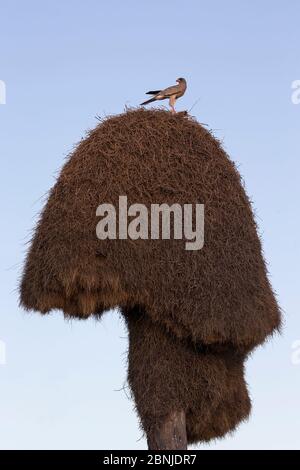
(148, 101)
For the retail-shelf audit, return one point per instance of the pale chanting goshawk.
(172, 92)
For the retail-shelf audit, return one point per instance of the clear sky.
(64, 62)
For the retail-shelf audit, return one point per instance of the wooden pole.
(170, 435)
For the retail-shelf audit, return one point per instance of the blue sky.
(65, 62)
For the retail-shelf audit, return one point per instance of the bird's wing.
(153, 92)
(171, 90)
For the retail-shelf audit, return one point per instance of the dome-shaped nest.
(205, 307)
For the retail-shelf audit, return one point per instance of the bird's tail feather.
(153, 92)
(148, 101)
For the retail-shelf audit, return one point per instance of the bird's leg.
(172, 101)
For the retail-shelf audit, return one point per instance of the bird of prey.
(172, 92)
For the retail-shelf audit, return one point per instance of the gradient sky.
(65, 62)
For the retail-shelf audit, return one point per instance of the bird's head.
(180, 80)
